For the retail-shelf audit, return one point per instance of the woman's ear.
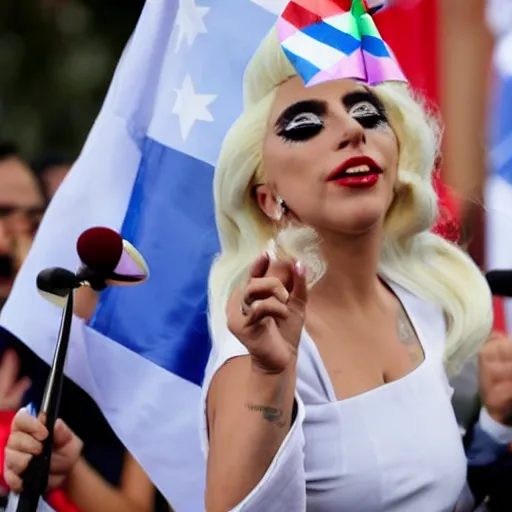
(267, 202)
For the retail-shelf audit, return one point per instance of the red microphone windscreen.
(100, 249)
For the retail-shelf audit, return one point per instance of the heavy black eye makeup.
(366, 108)
(305, 119)
(302, 120)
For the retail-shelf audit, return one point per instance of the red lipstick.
(356, 172)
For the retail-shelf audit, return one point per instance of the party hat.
(333, 39)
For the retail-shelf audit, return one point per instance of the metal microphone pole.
(35, 477)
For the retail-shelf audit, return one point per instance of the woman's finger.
(271, 307)
(263, 288)
(282, 270)
(25, 422)
(13, 481)
(16, 461)
(62, 434)
(24, 443)
(260, 266)
(299, 292)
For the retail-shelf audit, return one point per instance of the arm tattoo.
(270, 414)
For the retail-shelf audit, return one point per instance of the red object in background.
(411, 30)
(6, 418)
(58, 500)
(412, 34)
(499, 316)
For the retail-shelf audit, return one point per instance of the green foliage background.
(56, 61)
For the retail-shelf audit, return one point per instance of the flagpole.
(35, 478)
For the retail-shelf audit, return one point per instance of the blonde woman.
(327, 388)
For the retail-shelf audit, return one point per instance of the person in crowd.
(21, 208)
(465, 49)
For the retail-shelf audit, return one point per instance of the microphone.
(56, 281)
(106, 259)
(114, 260)
(500, 282)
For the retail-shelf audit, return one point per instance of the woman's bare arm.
(249, 415)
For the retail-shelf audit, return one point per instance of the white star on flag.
(190, 22)
(191, 107)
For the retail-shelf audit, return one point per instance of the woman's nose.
(352, 133)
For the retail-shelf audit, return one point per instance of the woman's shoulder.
(417, 305)
(427, 317)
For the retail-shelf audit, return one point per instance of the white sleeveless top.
(395, 448)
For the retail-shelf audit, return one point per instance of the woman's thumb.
(62, 434)
(299, 292)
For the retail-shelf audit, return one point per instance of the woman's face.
(331, 155)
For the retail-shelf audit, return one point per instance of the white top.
(395, 448)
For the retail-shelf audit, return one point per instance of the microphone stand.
(35, 477)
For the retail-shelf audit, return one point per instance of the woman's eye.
(302, 127)
(368, 115)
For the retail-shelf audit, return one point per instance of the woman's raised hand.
(267, 314)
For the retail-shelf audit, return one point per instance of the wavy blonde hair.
(412, 256)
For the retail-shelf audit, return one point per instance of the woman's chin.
(363, 227)
(362, 222)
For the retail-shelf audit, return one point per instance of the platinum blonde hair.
(412, 256)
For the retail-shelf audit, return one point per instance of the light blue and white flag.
(146, 170)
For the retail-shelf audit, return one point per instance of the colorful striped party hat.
(333, 39)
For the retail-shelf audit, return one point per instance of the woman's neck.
(351, 277)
